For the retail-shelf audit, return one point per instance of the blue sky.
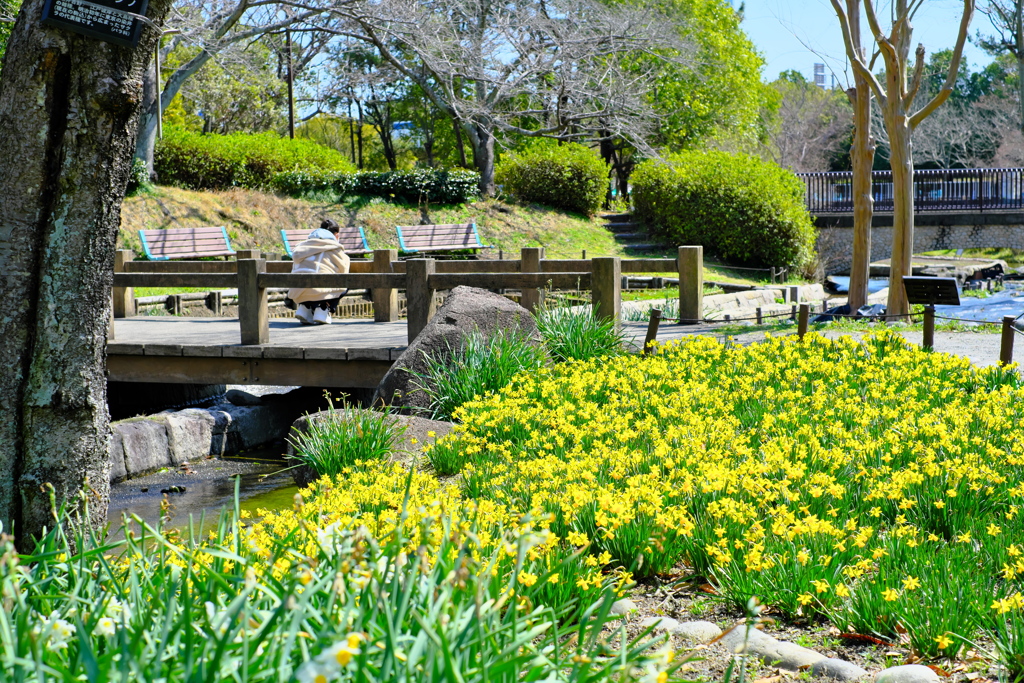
(794, 34)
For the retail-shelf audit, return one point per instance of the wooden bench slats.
(183, 243)
(441, 237)
(352, 238)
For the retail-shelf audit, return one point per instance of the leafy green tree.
(717, 93)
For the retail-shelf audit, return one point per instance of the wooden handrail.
(421, 278)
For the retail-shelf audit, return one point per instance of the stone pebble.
(623, 606)
(908, 673)
(837, 670)
(769, 650)
(697, 631)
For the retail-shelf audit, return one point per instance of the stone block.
(144, 445)
(118, 471)
(697, 631)
(773, 652)
(189, 434)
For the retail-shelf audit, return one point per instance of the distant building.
(819, 75)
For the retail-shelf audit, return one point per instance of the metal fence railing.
(969, 189)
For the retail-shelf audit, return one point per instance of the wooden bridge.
(253, 349)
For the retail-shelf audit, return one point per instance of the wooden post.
(175, 304)
(215, 302)
(691, 285)
(385, 301)
(530, 258)
(928, 340)
(253, 311)
(805, 316)
(419, 295)
(793, 311)
(1006, 343)
(124, 297)
(248, 254)
(652, 331)
(758, 314)
(606, 287)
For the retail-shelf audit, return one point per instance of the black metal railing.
(969, 189)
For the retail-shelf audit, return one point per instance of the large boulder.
(466, 309)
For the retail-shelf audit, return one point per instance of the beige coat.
(318, 256)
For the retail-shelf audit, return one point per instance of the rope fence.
(802, 315)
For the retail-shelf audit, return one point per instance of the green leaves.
(569, 177)
(744, 210)
(216, 162)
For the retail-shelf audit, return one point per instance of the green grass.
(166, 291)
(478, 368)
(578, 335)
(344, 437)
(1013, 257)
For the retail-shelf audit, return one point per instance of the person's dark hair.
(330, 226)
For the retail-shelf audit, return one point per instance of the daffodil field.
(874, 484)
(866, 483)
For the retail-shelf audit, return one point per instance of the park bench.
(353, 240)
(185, 243)
(414, 239)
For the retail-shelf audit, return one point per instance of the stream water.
(204, 489)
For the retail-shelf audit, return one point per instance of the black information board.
(103, 19)
(932, 291)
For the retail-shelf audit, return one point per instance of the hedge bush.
(740, 208)
(215, 162)
(435, 186)
(570, 177)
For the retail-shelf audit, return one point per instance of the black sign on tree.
(109, 20)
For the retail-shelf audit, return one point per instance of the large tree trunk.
(482, 141)
(902, 161)
(862, 154)
(68, 108)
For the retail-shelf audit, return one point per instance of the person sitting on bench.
(319, 253)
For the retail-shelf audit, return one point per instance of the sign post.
(929, 291)
(114, 21)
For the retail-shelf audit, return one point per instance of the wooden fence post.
(124, 297)
(385, 301)
(1006, 343)
(253, 311)
(805, 315)
(691, 285)
(928, 338)
(419, 294)
(652, 331)
(606, 288)
(215, 302)
(248, 254)
(529, 262)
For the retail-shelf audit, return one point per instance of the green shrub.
(434, 186)
(215, 162)
(740, 208)
(480, 367)
(570, 177)
(577, 335)
(344, 437)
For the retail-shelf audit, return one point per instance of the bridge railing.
(384, 275)
(969, 189)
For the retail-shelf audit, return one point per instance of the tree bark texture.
(902, 162)
(69, 109)
(862, 155)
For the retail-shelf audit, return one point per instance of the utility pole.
(291, 85)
